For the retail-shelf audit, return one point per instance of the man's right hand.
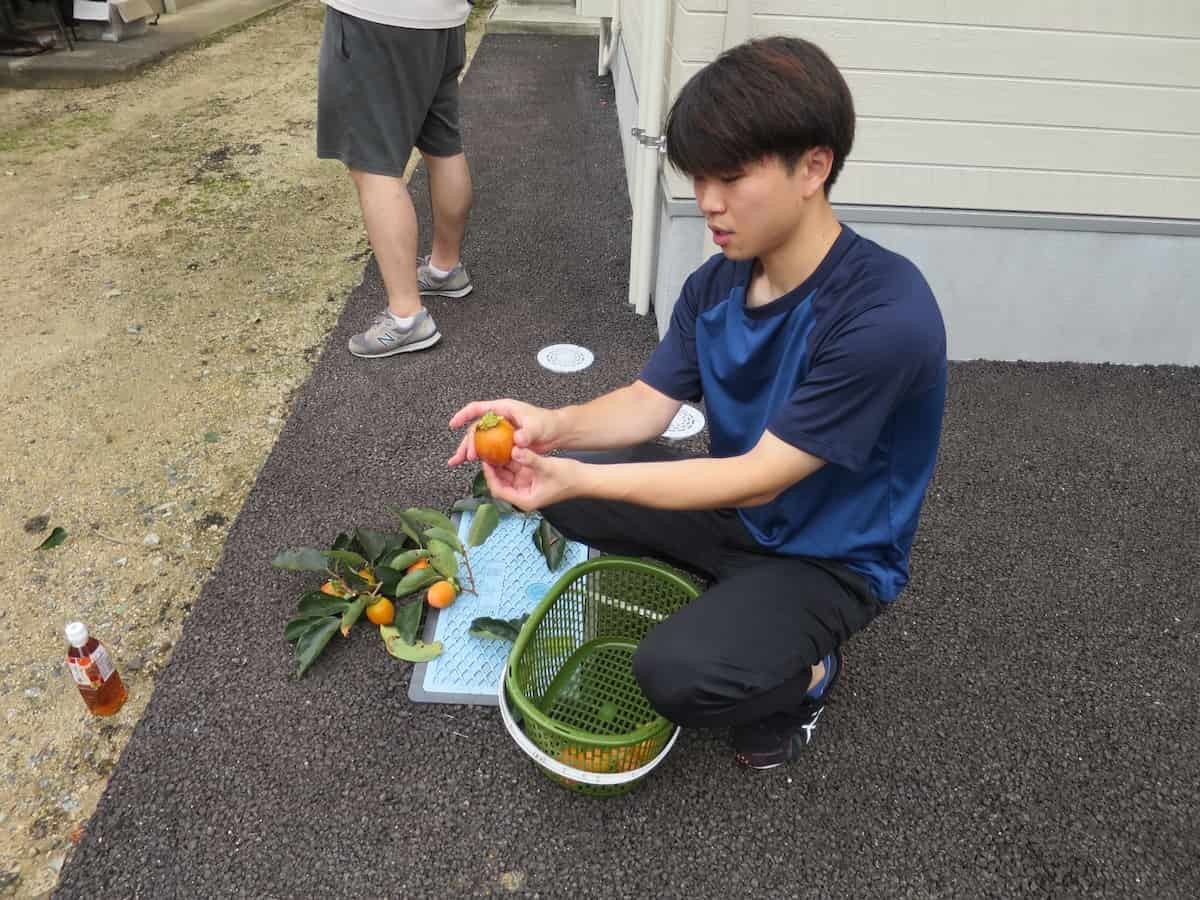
(535, 427)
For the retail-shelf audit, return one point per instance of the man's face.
(757, 208)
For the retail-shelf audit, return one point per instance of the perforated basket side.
(604, 599)
(557, 628)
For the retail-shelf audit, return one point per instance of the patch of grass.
(67, 131)
(216, 193)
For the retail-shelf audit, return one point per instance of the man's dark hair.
(774, 96)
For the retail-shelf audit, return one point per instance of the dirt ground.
(173, 257)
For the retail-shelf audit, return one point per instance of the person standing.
(388, 82)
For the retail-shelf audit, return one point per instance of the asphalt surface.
(1023, 723)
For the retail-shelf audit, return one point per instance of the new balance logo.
(386, 338)
(811, 726)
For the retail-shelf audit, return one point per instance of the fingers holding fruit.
(530, 481)
(531, 426)
(510, 409)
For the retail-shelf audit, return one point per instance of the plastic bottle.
(94, 672)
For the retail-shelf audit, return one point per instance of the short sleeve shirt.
(407, 13)
(850, 367)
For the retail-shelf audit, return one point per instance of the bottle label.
(91, 671)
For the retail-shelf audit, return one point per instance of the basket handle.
(539, 756)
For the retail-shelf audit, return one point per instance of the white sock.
(439, 273)
(402, 321)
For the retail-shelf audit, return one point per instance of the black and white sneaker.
(780, 739)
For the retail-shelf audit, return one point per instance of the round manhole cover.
(688, 421)
(565, 358)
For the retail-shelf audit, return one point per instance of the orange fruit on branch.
(334, 589)
(441, 594)
(381, 612)
(494, 439)
(419, 564)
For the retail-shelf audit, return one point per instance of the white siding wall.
(1049, 106)
(633, 32)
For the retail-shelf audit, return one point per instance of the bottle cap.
(77, 634)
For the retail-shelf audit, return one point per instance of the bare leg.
(392, 229)
(450, 197)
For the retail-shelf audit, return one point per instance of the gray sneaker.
(386, 338)
(456, 284)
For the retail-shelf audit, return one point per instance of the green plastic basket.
(569, 677)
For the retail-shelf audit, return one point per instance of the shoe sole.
(760, 768)
(453, 295)
(407, 348)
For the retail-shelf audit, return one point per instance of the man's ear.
(814, 168)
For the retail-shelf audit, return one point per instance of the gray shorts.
(382, 90)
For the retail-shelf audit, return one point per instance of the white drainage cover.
(565, 358)
(688, 421)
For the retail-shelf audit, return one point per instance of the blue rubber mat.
(511, 578)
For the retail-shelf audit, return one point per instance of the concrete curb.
(95, 63)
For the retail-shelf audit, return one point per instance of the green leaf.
(429, 517)
(300, 559)
(483, 523)
(349, 557)
(443, 559)
(408, 526)
(314, 603)
(313, 641)
(446, 537)
(356, 582)
(403, 560)
(497, 629)
(353, 612)
(388, 579)
(343, 541)
(479, 485)
(211, 437)
(504, 507)
(374, 543)
(414, 581)
(551, 543)
(395, 543)
(408, 620)
(415, 652)
(56, 537)
(468, 504)
(297, 627)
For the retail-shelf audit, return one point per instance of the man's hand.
(534, 426)
(531, 481)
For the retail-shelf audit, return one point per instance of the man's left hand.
(531, 481)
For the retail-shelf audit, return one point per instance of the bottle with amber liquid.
(93, 671)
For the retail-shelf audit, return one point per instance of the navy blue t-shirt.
(850, 367)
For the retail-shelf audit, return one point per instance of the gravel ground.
(1023, 723)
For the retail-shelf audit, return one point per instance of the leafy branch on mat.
(367, 573)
